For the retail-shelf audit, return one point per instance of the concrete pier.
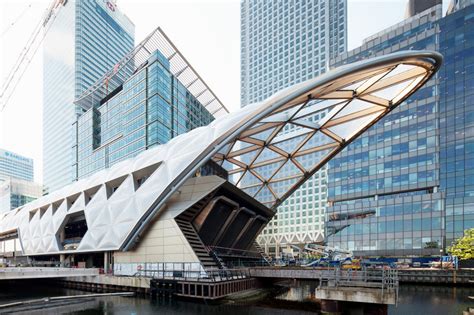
(18, 273)
(359, 295)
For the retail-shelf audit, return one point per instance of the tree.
(464, 246)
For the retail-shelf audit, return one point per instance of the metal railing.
(225, 251)
(212, 275)
(385, 280)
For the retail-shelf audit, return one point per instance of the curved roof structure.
(268, 148)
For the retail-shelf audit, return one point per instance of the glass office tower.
(16, 181)
(283, 43)
(84, 39)
(151, 107)
(405, 187)
(16, 192)
(456, 115)
(15, 165)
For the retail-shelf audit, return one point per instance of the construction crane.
(329, 252)
(29, 51)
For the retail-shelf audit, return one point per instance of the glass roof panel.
(400, 69)
(310, 160)
(266, 155)
(353, 86)
(318, 106)
(347, 129)
(225, 148)
(355, 105)
(291, 144)
(251, 191)
(266, 171)
(228, 166)
(241, 145)
(390, 92)
(249, 179)
(265, 195)
(247, 158)
(264, 134)
(281, 187)
(234, 178)
(284, 115)
(288, 170)
(317, 140)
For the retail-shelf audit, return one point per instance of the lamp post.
(441, 257)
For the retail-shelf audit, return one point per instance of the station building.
(199, 201)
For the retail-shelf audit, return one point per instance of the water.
(299, 299)
(413, 299)
(433, 300)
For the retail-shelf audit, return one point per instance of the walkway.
(17, 273)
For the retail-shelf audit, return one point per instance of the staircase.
(184, 222)
(192, 211)
(265, 256)
(198, 247)
(220, 263)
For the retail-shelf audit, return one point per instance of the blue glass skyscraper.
(84, 39)
(151, 96)
(152, 107)
(405, 187)
(456, 119)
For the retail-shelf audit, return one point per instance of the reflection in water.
(121, 305)
(419, 300)
(432, 300)
(413, 299)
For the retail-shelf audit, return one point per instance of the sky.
(207, 32)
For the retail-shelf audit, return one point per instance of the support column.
(106, 262)
(330, 307)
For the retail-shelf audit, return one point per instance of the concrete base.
(356, 294)
(130, 282)
(13, 273)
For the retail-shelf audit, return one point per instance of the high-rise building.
(456, 118)
(16, 192)
(406, 187)
(150, 99)
(15, 165)
(283, 42)
(16, 181)
(286, 42)
(84, 39)
(417, 6)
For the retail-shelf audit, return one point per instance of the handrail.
(386, 280)
(211, 275)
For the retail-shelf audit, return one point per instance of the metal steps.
(265, 256)
(184, 221)
(220, 263)
(196, 243)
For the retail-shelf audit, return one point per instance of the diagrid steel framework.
(284, 147)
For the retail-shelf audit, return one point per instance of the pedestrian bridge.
(18, 273)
